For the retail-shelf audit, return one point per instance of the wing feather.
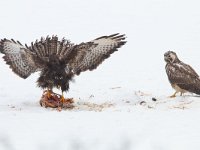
(184, 76)
(17, 57)
(25, 60)
(87, 56)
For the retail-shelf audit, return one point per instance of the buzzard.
(58, 60)
(182, 77)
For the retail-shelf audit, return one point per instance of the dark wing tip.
(2, 41)
(122, 43)
(2, 45)
(120, 39)
(116, 36)
(109, 36)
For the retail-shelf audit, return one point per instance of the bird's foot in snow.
(62, 99)
(172, 96)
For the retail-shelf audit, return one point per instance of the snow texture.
(123, 104)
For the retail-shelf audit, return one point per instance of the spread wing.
(18, 57)
(87, 56)
(184, 76)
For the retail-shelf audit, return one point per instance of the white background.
(152, 27)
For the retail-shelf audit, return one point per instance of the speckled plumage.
(58, 60)
(182, 77)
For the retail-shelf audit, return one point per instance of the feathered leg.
(64, 87)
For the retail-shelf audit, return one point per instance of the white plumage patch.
(15, 56)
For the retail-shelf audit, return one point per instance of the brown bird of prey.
(58, 60)
(182, 77)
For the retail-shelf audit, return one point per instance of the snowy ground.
(113, 104)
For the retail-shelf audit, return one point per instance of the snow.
(114, 109)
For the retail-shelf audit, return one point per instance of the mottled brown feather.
(57, 60)
(95, 52)
(183, 76)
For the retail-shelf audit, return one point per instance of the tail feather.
(59, 49)
(47, 45)
(51, 46)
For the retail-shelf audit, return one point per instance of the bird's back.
(183, 76)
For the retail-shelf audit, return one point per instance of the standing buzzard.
(58, 60)
(182, 77)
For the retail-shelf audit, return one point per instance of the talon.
(174, 95)
(62, 99)
(49, 92)
(53, 100)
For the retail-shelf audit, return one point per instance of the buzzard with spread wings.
(182, 77)
(58, 60)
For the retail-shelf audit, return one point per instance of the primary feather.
(58, 60)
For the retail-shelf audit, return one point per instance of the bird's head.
(171, 57)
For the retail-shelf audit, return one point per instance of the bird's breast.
(178, 89)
